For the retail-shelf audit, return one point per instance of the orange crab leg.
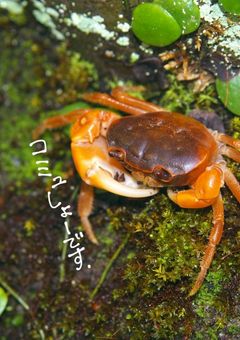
(107, 100)
(123, 97)
(61, 120)
(205, 192)
(231, 153)
(214, 239)
(122, 101)
(85, 205)
(228, 140)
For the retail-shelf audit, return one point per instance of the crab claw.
(100, 177)
(98, 169)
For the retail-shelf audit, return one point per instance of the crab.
(136, 155)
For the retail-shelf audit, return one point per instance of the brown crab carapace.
(134, 156)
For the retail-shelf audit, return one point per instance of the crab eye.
(117, 154)
(162, 175)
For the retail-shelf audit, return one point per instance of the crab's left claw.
(98, 169)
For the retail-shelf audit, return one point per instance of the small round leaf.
(154, 26)
(229, 93)
(185, 12)
(231, 6)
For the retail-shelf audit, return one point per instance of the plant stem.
(12, 292)
(108, 267)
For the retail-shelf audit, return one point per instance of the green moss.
(167, 317)
(215, 312)
(208, 296)
(159, 268)
(180, 97)
(167, 233)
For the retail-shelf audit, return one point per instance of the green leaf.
(185, 12)
(3, 300)
(154, 26)
(229, 93)
(231, 6)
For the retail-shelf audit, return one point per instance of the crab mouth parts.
(116, 181)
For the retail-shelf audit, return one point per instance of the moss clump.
(158, 268)
(180, 97)
(169, 253)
